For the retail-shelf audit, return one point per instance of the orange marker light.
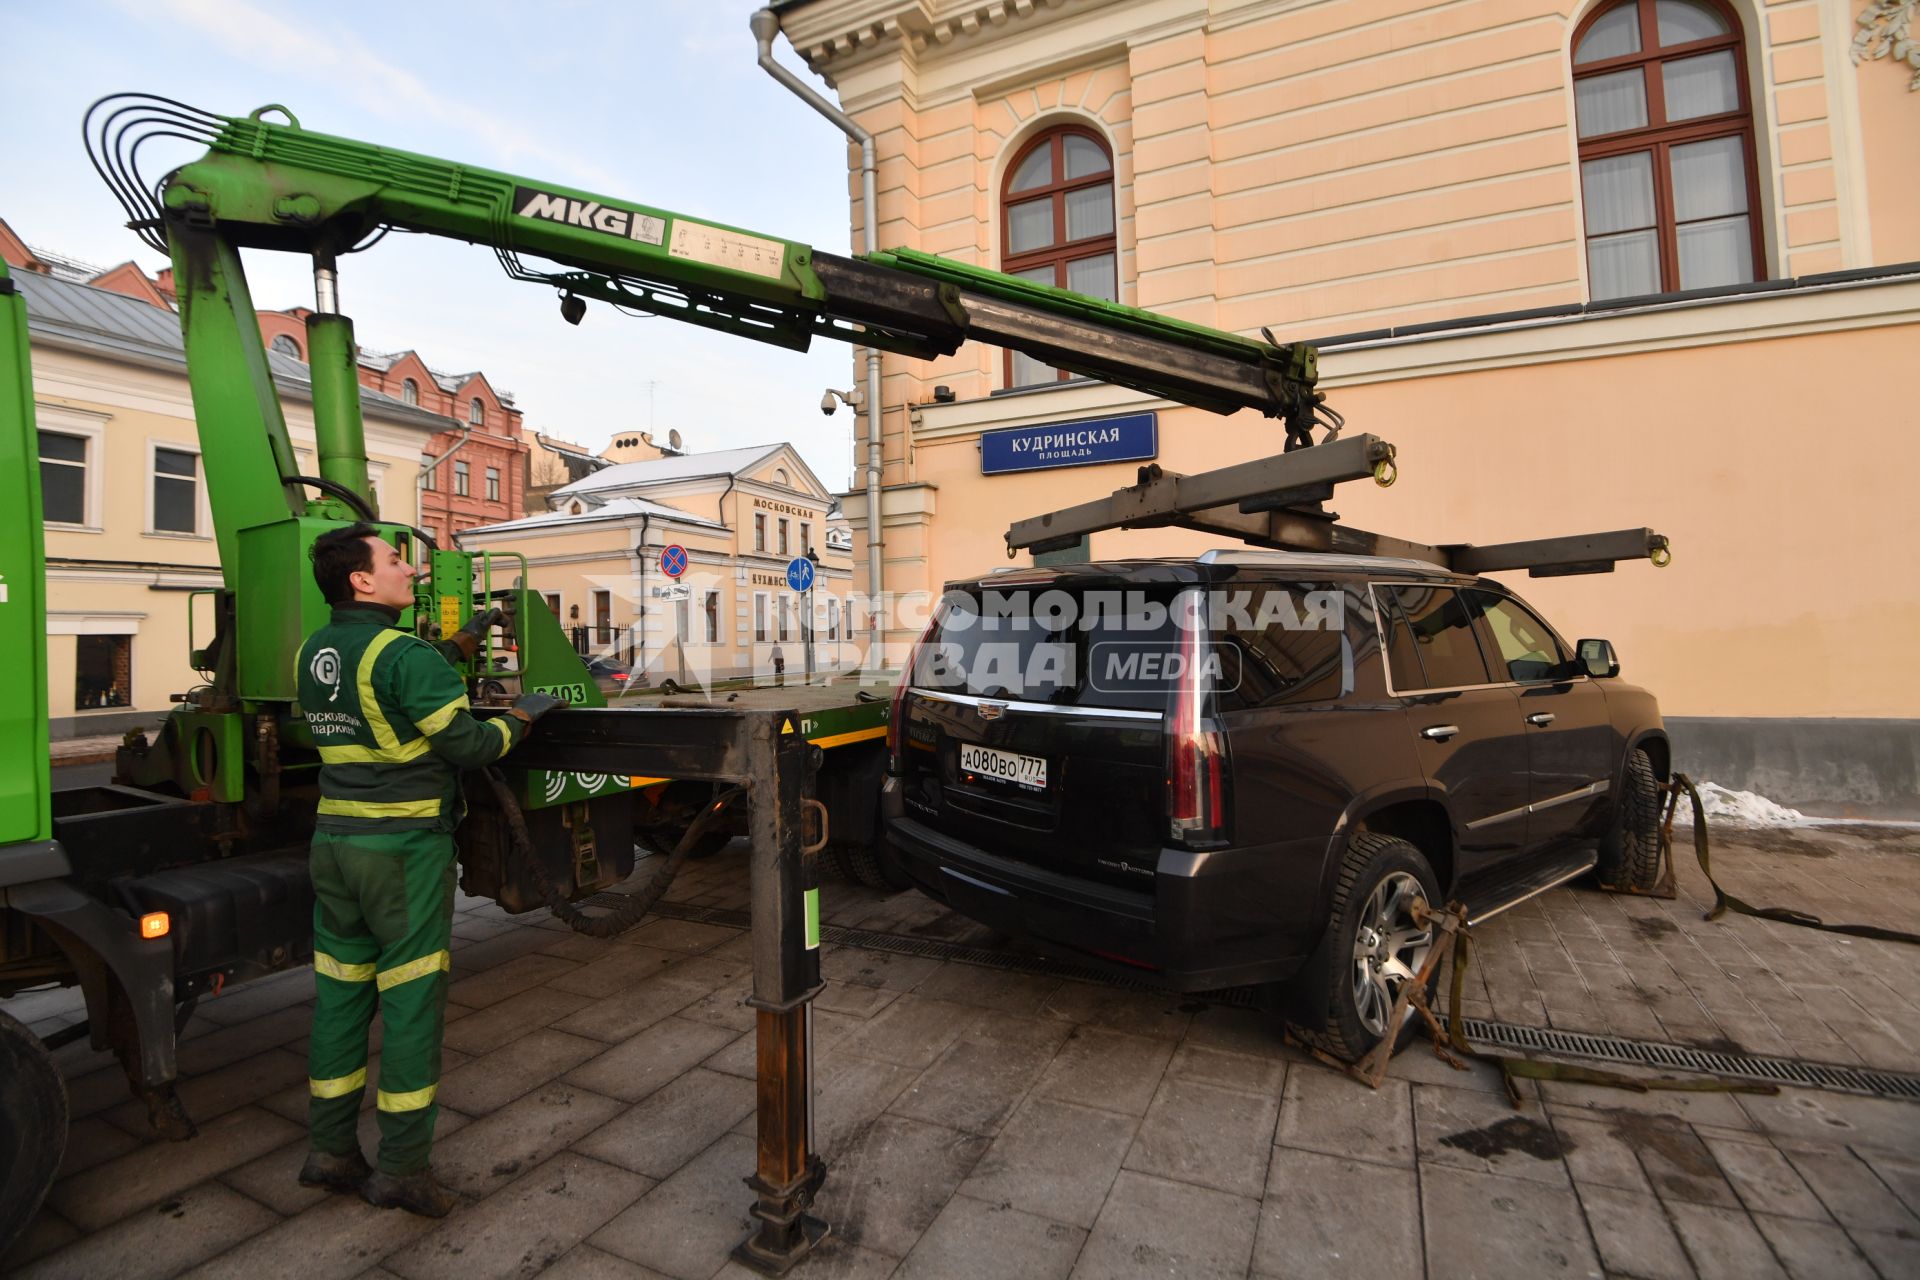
(155, 924)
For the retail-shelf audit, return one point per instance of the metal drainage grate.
(1673, 1057)
(1793, 1072)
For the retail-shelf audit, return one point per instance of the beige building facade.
(131, 560)
(1588, 266)
(740, 516)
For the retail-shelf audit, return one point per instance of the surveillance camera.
(827, 405)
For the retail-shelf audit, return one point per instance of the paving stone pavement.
(984, 1123)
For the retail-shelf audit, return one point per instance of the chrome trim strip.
(1483, 917)
(1591, 789)
(1045, 708)
(1580, 793)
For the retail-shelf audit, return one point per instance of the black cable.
(340, 491)
(636, 906)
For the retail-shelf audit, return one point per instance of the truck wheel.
(33, 1126)
(1630, 850)
(1376, 946)
(869, 864)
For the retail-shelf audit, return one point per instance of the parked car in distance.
(1247, 767)
(610, 674)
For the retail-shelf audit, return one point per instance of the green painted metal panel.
(277, 604)
(24, 780)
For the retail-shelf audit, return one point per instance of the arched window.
(1666, 148)
(287, 345)
(410, 391)
(1057, 221)
(476, 412)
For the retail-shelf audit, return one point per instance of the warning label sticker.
(734, 250)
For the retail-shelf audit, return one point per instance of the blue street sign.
(673, 560)
(800, 573)
(1070, 444)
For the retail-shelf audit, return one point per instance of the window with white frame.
(759, 531)
(760, 617)
(783, 536)
(102, 672)
(785, 607)
(476, 412)
(493, 484)
(711, 607)
(63, 478)
(833, 618)
(806, 537)
(287, 345)
(176, 490)
(410, 392)
(461, 479)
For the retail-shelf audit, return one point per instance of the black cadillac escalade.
(1245, 768)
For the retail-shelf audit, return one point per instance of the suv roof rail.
(1317, 559)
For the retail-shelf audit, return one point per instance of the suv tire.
(33, 1126)
(1630, 850)
(1378, 878)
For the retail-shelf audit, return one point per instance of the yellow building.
(1588, 265)
(129, 537)
(740, 516)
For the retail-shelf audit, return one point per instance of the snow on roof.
(617, 509)
(718, 462)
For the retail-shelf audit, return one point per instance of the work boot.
(341, 1174)
(414, 1192)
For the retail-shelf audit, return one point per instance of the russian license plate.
(1005, 766)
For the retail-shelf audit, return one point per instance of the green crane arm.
(272, 184)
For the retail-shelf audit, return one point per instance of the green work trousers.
(382, 920)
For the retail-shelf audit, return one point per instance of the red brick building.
(484, 480)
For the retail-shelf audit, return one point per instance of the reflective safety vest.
(393, 725)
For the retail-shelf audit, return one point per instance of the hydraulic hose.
(636, 906)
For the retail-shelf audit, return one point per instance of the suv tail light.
(1198, 792)
(897, 714)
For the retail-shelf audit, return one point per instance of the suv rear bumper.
(1166, 937)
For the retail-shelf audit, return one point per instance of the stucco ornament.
(1886, 27)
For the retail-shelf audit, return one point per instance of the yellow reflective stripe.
(438, 962)
(410, 1101)
(506, 732)
(443, 717)
(339, 1086)
(369, 704)
(380, 808)
(324, 963)
(376, 755)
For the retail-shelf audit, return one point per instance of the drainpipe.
(766, 23)
(426, 473)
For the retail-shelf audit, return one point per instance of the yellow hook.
(1385, 473)
(1661, 557)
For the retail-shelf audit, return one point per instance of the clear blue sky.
(657, 101)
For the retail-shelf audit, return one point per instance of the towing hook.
(1661, 557)
(1385, 473)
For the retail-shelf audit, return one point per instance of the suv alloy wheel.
(1377, 948)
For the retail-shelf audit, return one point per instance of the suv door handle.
(1541, 718)
(1439, 732)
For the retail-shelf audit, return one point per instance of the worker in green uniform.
(391, 721)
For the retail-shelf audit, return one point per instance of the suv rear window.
(1065, 645)
(1281, 643)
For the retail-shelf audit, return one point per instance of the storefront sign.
(1070, 444)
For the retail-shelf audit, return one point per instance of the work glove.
(466, 641)
(531, 706)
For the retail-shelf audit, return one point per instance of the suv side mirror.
(1597, 658)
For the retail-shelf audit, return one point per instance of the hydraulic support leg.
(786, 976)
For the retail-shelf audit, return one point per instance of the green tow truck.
(187, 874)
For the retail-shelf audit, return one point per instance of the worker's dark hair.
(337, 555)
